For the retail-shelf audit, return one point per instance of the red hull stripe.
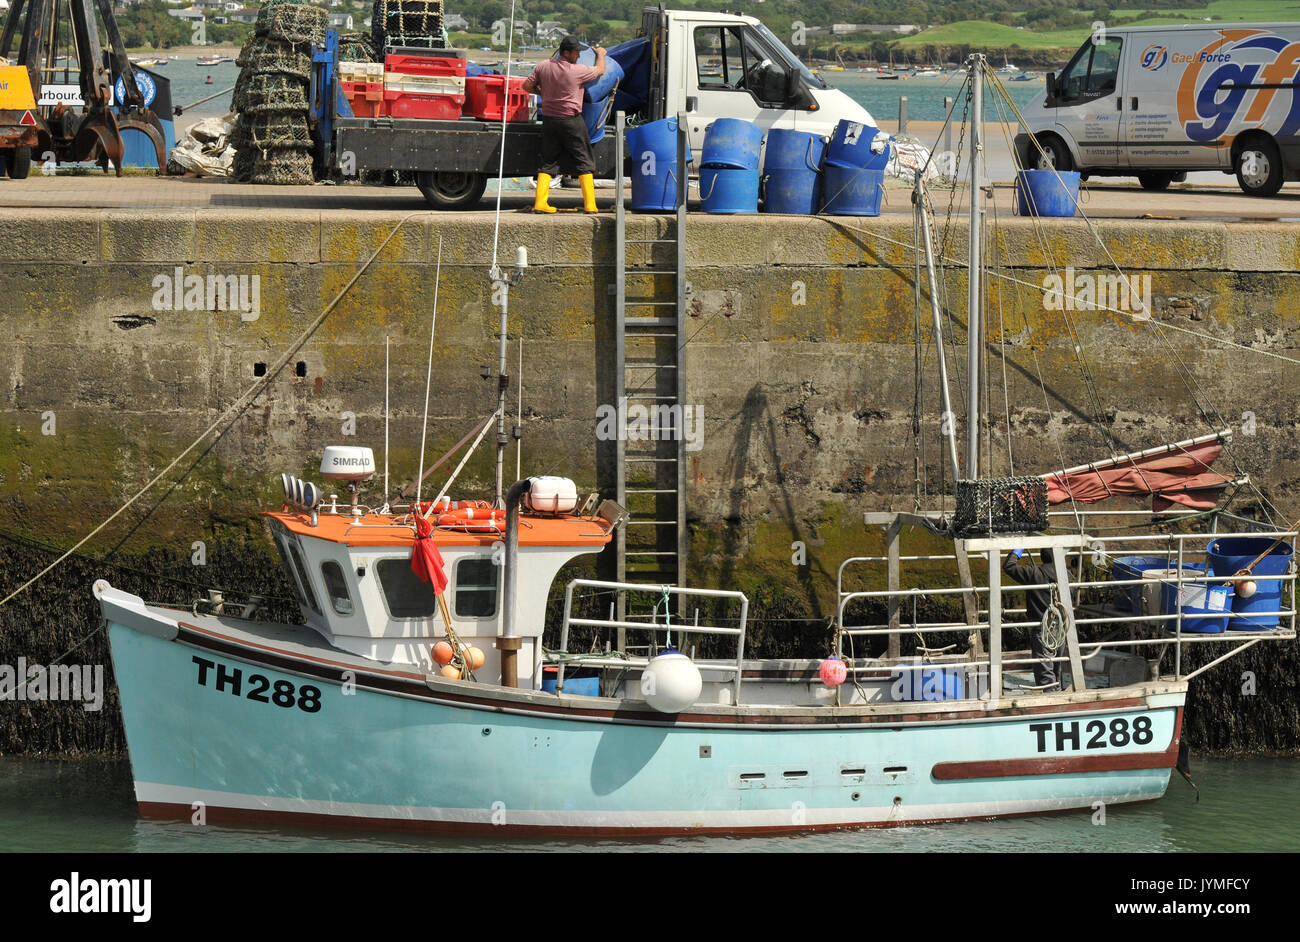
(1061, 765)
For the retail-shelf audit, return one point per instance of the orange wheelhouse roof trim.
(396, 530)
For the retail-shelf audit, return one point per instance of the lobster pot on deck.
(1000, 505)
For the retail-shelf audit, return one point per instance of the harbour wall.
(800, 361)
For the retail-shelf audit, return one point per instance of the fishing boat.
(210, 61)
(417, 694)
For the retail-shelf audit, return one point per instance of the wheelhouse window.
(404, 594)
(1092, 73)
(297, 571)
(476, 588)
(336, 586)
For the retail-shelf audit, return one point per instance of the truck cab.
(720, 65)
(1156, 102)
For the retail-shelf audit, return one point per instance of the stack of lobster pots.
(272, 139)
(411, 24)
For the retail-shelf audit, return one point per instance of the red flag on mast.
(426, 561)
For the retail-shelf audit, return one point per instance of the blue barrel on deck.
(574, 686)
(652, 149)
(930, 683)
(1127, 568)
(732, 144)
(852, 191)
(1047, 192)
(1228, 555)
(596, 103)
(727, 190)
(1211, 601)
(850, 146)
(792, 172)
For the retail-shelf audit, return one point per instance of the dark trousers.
(565, 141)
(1045, 672)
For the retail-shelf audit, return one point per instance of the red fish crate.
(486, 96)
(424, 65)
(429, 107)
(366, 98)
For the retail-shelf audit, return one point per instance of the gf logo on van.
(1154, 56)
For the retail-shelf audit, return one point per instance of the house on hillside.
(340, 20)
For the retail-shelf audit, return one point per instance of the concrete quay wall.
(801, 358)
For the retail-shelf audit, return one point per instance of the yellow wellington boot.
(543, 191)
(588, 183)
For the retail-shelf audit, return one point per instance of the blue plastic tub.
(658, 138)
(1125, 568)
(575, 686)
(725, 190)
(652, 149)
(596, 106)
(1210, 599)
(1047, 192)
(792, 191)
(930, 683)
(1228, 555)
(850, 146)
(850, 191)
(793, 150)
(732, 144)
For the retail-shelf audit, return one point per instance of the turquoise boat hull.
(241, 725)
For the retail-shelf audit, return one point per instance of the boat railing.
(654, 626)
(984, 617)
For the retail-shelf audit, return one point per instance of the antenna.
(428, 376)
(519, 425)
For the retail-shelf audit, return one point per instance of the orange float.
(474, 657)
(443, 653)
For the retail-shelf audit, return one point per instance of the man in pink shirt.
(564, 134)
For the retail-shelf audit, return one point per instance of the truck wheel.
(1054, 155)
(1155, 181)
(444, 190)
(1259, 167)
(18, 162)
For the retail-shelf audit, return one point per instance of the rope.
(501, 163)
(230, 414)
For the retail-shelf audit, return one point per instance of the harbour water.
(1246, 806)
(925, 95)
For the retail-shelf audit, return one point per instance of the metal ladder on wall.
(650, 373)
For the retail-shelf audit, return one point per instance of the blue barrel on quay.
(852, 191)
(1047, 192)
(788, 149)
(793, 192)
(850, 146)
(728, 190)
(732, 144)
(792, 172)
(652, 149)
(1229, 555)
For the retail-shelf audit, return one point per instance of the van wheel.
(445, 190)
(1259, 167)
(18, 162)
(1155, 181)
(1054, 155)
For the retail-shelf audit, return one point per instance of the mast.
(975, 279)
(948, 423)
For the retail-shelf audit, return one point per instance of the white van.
(720, 65)
(1158, 101)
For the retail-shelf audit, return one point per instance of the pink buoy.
(833, 672)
